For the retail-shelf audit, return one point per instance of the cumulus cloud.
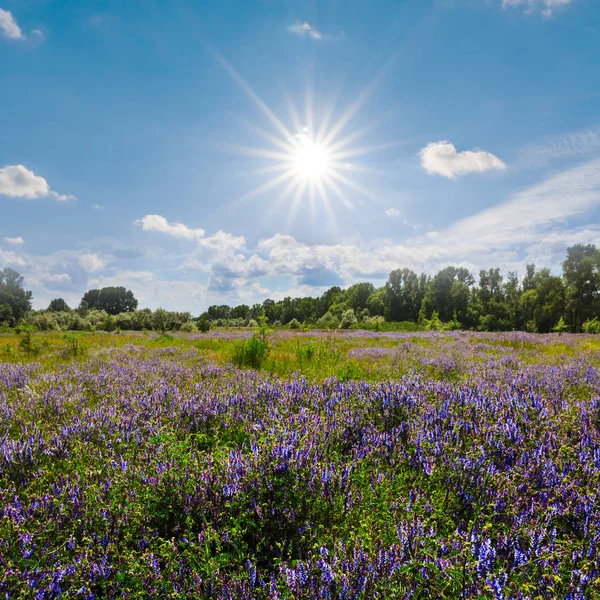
(546, 6)
(392, 212)
(442, 158)
(14, 241)
(16, 181)
(305, 29)
(8, 26)
(177, 230)
(219, 241)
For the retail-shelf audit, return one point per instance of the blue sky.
(225, 152)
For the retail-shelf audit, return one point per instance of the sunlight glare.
(312, 161)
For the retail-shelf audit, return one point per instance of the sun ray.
(242, 83)
(309, 162)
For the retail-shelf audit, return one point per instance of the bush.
(348, 319)
(591, 326)
(327, 321)
(188, 327)
(375, 322)
(250, 353)
(109, 324)
(294, 324)
(74, 348)
(561, 326)
(252, 323)
(204, 325)
(43, 321)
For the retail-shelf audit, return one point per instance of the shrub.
(294, 324)
(434, 324)
(561, 326)
(188, 327)
(27, 344)
(453, 325)
(375, 322)
(591, 326)
(328, 321)
(74, 348)
(250, 353)
(252, 323)
(348, 319)
(204, 325)
(109, 323)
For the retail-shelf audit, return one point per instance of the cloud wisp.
(10, 30)
(442, 158)
(14, 241)
(305, 29)
(547, 7)
(16, 181)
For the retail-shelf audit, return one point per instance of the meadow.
(312, 464)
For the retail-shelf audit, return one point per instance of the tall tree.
(581, 271)
(405, 292)
(13, 294)
(113, 300)
(58, 305)
(448, 292)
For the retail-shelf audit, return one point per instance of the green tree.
(405, 291)
(113, 300)
(448, 292)
(58, 305)
(13, 293)
(5, 314)
(581, 272)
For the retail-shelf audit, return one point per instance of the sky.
(205, 153)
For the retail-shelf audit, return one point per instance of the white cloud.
(305, 29)
(392, 212)
(16, 241)
(8, 26)
(222, 241)
(178, 230)
(90, 262)
(11, 258)
(546, 6)
(442, 158)
(97, 207)
(17, 181)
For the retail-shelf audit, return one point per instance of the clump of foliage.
(348, 319)
(204, 325)
(591, 326)
(561, 326)
(250, 353)
(188, 327)
(294, 324)
(73, 345)
(27, 343)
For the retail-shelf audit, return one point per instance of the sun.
(308, 160)
(312, 161)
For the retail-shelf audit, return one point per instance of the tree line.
(450, 299)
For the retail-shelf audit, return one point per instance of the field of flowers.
(351, 465)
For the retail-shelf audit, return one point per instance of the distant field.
(344, 464)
